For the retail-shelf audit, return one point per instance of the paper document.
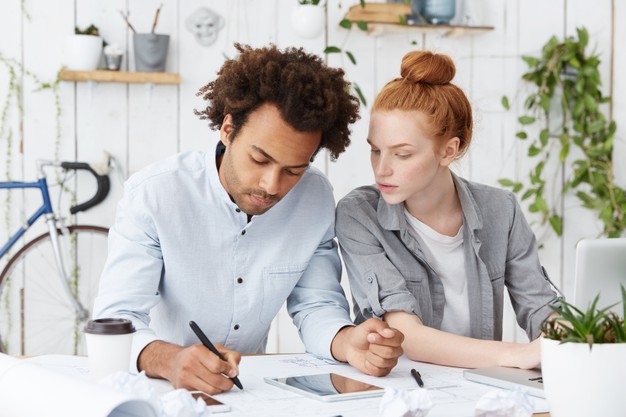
(29, 389)
(452, 394)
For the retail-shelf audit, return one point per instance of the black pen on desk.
(417, 377)
(207, 343)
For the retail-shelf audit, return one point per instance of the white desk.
(451, 393)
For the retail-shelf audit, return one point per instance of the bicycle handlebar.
(103, 186)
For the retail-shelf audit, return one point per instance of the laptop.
(508, 378)
(600, 268)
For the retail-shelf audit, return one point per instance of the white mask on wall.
(205, 24)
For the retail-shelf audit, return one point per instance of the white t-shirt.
(445, 256)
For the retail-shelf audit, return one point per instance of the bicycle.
(41, 313)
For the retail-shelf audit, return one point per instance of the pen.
(207, 343)
(417, 377)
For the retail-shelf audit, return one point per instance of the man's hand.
(194, 367)
(371, 347)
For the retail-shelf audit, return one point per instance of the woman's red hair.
(425, 86)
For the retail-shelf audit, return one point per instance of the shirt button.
(370, 279)
(239, 280)
(236, 327)
(243, 232)
(238, 210)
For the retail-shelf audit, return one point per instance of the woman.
(430, 252)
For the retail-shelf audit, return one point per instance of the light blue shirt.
(181, 250)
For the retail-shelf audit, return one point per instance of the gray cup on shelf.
(150, 51)
(109, 342)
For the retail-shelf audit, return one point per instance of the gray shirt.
(388, 270)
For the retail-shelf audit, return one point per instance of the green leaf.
(544, 135)
(531, 61)
(579, 106)
(564, 152)
(362, 25)
(587, 200)
(595, 126)
(533, 150)
(556, 222)
(505, 103)
(362, 2)
(583, 37)
(522, 135)
(528, 193)
(332, 50)
(346, 23)
(350, 57)
(359, 93)
(590, 103)
(541, 204)
(506, 182)
(526, 120)
(545, 103)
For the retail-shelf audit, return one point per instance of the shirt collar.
(214, 177)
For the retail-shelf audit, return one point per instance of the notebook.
(508, 378)
(600, 268)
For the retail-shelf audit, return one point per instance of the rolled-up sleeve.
(376, 284)
(530, 292)
(130, 279)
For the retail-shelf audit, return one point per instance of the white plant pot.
(82, 52)
(580, 382)
(308, 20)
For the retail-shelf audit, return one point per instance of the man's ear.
(449, 151)
(226, 130)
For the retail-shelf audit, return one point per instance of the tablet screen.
(327, 387)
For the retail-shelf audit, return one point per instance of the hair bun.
(427, 67)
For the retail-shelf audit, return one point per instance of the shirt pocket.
(278, 282)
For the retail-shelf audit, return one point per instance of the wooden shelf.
(385, 18)
(378, 29)
(104, 76)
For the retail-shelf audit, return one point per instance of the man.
(223, 239)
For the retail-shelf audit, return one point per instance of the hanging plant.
(566, 86)
(331, 49)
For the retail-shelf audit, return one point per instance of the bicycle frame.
(47, 211)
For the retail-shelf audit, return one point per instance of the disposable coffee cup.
(109, 343)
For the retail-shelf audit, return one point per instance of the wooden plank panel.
(11, 161)
(47, 29)
(578, 221)
(352, 169)
(533, 34)
(153, 109)
(101, 113)
(619, 85)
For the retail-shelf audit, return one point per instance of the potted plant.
(83, 50)
(308, 18)
(583, 361)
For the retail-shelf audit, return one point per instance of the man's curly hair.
(309, 95)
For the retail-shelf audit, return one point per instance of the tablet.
(327, 387)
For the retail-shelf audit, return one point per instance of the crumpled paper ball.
(404, 403)
(504, 403)
(180, 403)
(177, 403)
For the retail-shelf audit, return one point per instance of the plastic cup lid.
(109, 326)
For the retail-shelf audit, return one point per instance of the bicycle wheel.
(36, 315)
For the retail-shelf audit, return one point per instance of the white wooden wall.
(139, 124)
